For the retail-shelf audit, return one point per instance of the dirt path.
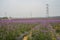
(26, 37)
(35, 28)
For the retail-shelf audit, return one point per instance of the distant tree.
(3, 18)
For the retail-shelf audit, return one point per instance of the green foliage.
(40, 36)
(56, 26)
(58, 31)
(12, 30)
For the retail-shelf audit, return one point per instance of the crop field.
(56, 26)
(29, 30)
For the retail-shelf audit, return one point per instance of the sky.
(29, 8)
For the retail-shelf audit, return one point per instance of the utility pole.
(31, 14)
(5, 14)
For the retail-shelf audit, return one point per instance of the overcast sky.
(26, 8)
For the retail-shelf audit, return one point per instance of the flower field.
(34, 30)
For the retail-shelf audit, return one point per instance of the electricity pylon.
(47, 10)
